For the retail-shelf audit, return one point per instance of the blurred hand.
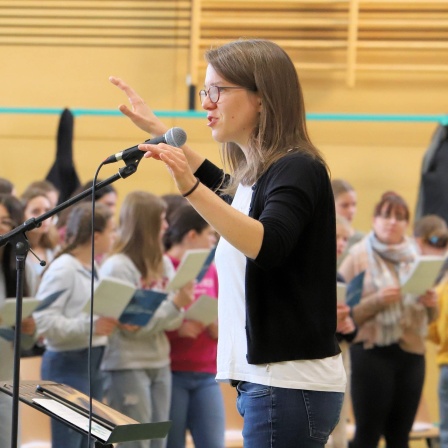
(190, 329)
(104, 326)
(212, 330)
(429, 299)
(342, 311)
(346, 326)
(390, 294)
(185, 295)
(28, 326)
(128, 327)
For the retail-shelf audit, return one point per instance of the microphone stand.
(17, 238)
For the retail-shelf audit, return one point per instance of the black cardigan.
(291, 285)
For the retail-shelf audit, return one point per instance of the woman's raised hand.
(141, 114)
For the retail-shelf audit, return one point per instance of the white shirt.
(326, 374)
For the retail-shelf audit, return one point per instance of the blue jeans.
(143, 395)
(197, 405)
(277, 417)
(70, 368)
(443, 406)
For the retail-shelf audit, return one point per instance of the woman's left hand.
(429, 299)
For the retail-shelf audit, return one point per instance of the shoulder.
(296, 168)
(65, 261)
(116, 260)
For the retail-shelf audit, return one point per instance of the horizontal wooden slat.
(388, 44)
(424, 68)
(95, 23)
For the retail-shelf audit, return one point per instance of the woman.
(196, 402)
(277, 295)
(346, 203)
(387, 356)
(64, 323)
(11, 215)
(137, 359)
(345, 332)
(43, 239)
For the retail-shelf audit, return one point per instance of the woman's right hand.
(184, 296)
(390, 294)
(190, 329)
(141, 114)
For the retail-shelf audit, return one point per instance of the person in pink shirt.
(196, 402)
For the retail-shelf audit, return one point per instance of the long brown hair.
(262, 66)
(79, 225)
(139, 232)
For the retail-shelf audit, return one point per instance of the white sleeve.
(59, 283)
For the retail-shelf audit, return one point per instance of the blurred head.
(343, 232)
(6, 186)
(173, 202)
(265, 118)
(106, 195)
(36, 203)
(189, 228)
(391, 218)
(47, 187)
(79, 228)
(431, 235)
(345, 200)
(141, 228)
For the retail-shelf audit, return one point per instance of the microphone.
(173, 137)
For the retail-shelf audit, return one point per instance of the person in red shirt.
(196, 402)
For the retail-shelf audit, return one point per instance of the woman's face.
(235, 115)
(390, 228)
(342, 236)
(110, 200)
(163, 225)
(36, 207)
(345, 205)
(105, 239)
(6, 223)
(206, 239)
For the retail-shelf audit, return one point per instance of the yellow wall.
(373, 156)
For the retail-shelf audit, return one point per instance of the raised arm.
(144, 118)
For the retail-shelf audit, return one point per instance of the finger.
(122, 86)
(126, 111)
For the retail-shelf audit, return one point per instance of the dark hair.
(6, 186)
(433, 230)
(173, 201)
(63, 215)
(15, 210)
(79, 225)
(391, 203)
(183, 220)
(98, 193)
